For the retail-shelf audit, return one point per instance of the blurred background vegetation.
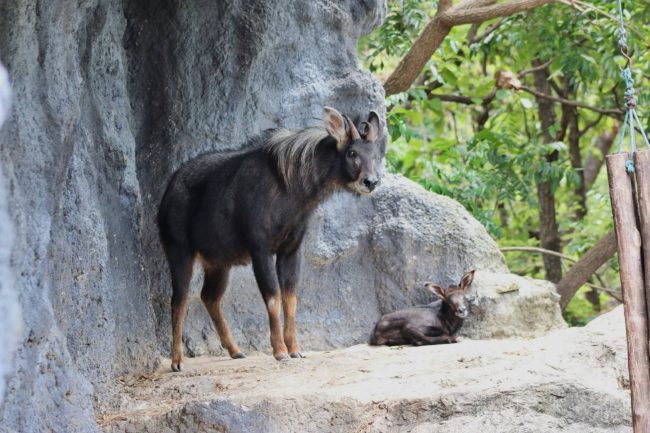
(487, 123)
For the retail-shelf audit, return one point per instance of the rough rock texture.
(506, 305)
(375, 253)
(9, 308)
(110, 98)
(572, 380)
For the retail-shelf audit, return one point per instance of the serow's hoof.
(296, 355)
(176, 366)
(282, 356)
(238, 355)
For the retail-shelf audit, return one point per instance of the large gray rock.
(507, 305)
(9, 308)
(110, 98)
(572, 380)
(366, 256)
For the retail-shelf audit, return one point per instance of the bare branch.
(467, 14)
(420, 52)
(447, 16)
(616, 294)
(474, 3)
(453, 98)
(590, 125)
(535, 68)
(589, 263)
(610, 112)
(471, 33)
(538, 250)
(473, 38)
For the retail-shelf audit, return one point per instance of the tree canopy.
(509, 107)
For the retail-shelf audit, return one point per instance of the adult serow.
(435, 323)
(232, 208)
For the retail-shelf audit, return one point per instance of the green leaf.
(526, 103)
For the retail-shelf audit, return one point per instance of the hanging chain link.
(631, 116)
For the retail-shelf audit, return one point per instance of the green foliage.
(488, 152)
(580, 311)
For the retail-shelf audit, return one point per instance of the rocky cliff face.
(110, 98)
(9, 309)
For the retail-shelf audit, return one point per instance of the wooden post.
(636, 320)
(642, 164)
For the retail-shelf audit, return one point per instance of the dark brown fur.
(234, 208)
(435, 323)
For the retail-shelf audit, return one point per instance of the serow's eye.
(351, 153)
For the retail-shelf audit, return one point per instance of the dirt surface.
(570, 380)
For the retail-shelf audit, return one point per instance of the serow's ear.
(467, 279)
(371, 127)
(336, 126)
(353, 132)
(436, 290)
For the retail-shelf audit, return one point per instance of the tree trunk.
(594, 162)
(548, 228)
(576, 158)
(584, 268)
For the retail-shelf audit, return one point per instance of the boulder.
(110, 98)
(10, 322)
(571, 380)
(366, 256)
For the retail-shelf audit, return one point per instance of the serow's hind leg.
(288, 270)
(268, 284)
(417, 338)
(214, 286)
(180, 266)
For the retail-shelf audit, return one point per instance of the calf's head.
(360, 155)
(454, 296)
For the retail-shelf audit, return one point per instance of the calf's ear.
(467, 279)
(436, 290)
(336, 126)
(371, 127)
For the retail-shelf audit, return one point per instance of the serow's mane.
(294, 151)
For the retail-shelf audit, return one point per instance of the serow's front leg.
(268, 284)
(288, 269)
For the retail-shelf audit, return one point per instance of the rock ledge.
(572, 380)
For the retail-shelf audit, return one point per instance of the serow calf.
(234, 208)
(435, 323)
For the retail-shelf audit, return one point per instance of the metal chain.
(631, 116)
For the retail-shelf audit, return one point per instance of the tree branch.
(538, 250)
(420, 52)
(589, 263)
(587, 6)
(478, 13)
(610, 112)
(590, 125)
(473, 38)
(616, 294)
(534, 68)
(448, 16)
